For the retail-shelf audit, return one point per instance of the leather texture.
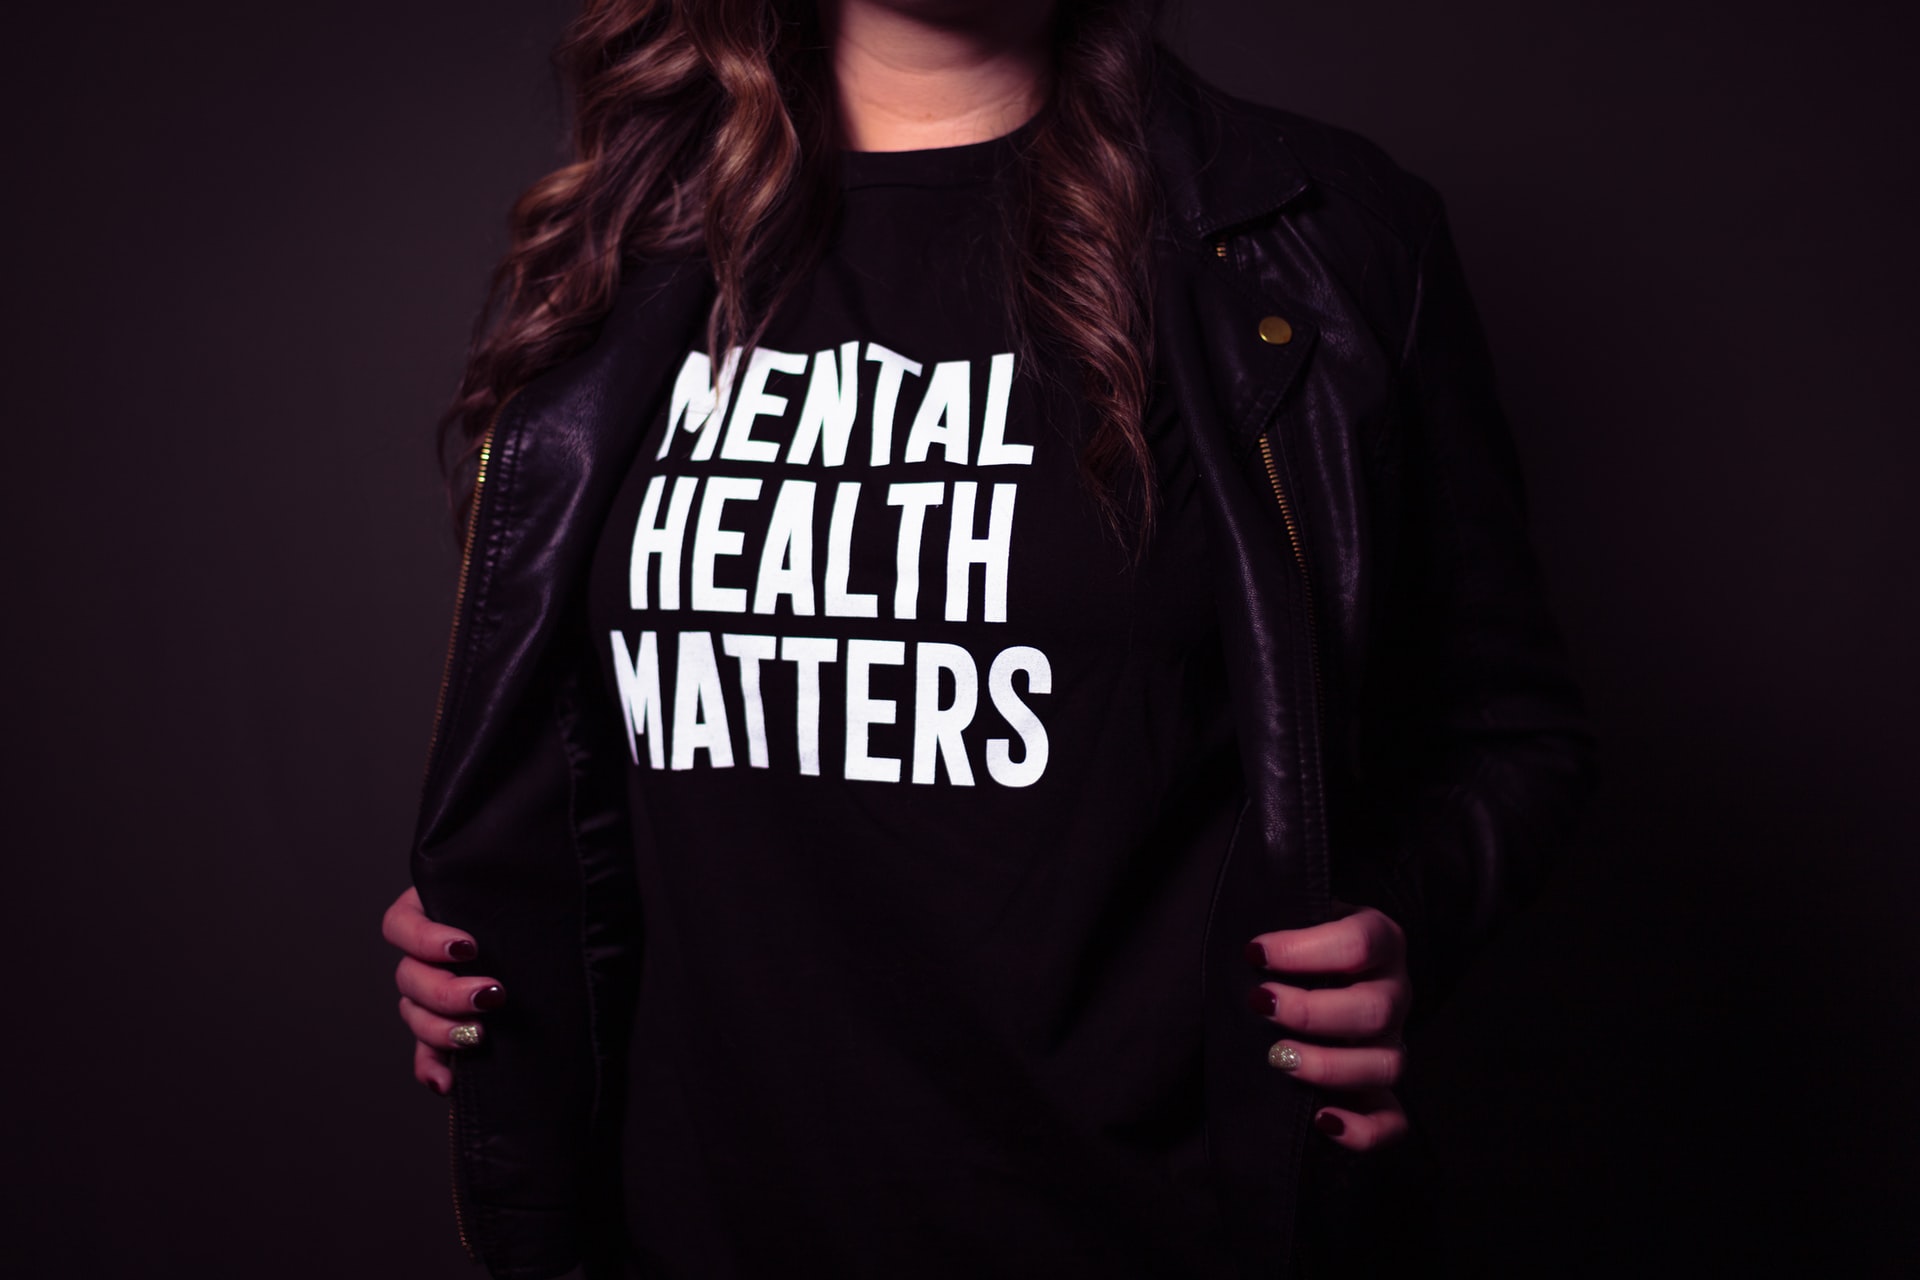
(1410, 734)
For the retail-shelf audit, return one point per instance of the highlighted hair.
(707, 126)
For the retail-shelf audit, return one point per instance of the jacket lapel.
(1227, 378)
(1220, 166)
(560, 451)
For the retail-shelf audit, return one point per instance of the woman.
(996, 650)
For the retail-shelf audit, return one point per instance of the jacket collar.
(1221, 162)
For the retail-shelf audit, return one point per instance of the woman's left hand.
(1365, 1014)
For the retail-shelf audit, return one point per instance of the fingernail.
(1261, 1001)
(1283, 1056)
(1256, 955)
(1329, 1124)
(432, 1088)
(465, 1035)
(489, 997)
(462, 949)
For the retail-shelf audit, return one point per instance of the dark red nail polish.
(489, 998)
(1330, 1124)
(461, 949)
(1261, 1001)
(1256, 955)
(432, 1088)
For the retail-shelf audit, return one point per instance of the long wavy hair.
(707, 126)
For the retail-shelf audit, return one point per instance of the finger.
(436, 1032)
(1339, 1066)
(430, 1068)
(1372, 1119)
(1366, 940)
(406, 926)
(436, 989)
(1366, 1010)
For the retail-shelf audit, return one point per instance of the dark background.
(243, 245)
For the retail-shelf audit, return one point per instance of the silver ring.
(1284, 1056)
(464, 1035)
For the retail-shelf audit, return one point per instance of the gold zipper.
(433, 745)
(1306, 575)
(460, 585)
(453, 1171)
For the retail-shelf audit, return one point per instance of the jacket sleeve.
(1476, 749)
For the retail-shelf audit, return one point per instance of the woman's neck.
(913, 74)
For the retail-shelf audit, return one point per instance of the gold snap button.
(1276, 330)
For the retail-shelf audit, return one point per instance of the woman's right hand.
(433, 1001)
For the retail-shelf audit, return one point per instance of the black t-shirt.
(930, 786)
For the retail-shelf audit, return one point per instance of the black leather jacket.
(1410, 736)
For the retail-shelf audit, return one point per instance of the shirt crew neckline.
(957, 166)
